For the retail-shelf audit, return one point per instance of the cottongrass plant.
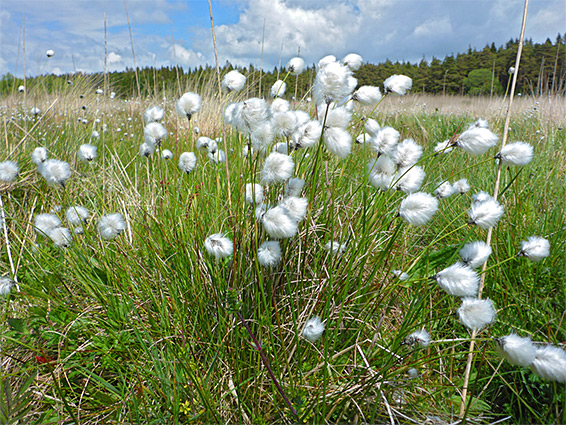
(319, 306)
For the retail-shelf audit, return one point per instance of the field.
(150, 327)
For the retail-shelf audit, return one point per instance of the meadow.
(162, 324)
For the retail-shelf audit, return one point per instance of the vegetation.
(152, 328)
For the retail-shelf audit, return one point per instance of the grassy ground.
(148, 328)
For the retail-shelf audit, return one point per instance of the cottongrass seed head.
(61, 237)
(353, 61)
(385, 140)
(475, 254)
(476, 140)
(458, 280)
(219, 246)
(278, 223)
(518, 153)
(55, 172)
(421, 337)
(407, 153)
(335, 247)
(254, 193)
(535, 248)
(233, 81)
(153, 114)
(313, 329)
(166, 154)
(516, 350)
(9, 171)
(187, 162)
(6, 285)
(485, 214)
(154, 133)
(39, 155)
(418, 208)
(297, 207)
(277, 168)
(295, 66)
(294, 187)
(338, 141)
(398, 84)
(332, 83)
(44, 223)
(188, 105)
(445, 190)
(367, 95)
(278, 89)
(550, 363)
(87, 152)
(461, 186)
(269, 254)
(475, 313)
(77, 215)
(111, 225)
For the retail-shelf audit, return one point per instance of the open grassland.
(150, 328)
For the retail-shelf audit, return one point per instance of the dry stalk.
(495, 195)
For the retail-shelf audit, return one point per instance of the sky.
(169, 32)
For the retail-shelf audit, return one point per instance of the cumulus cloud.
(186, 57)
(114, 58)
(433, 27)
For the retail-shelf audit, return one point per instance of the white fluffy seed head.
(146, 149)
(154, 133)
(518, 153)
(313, 329)
(418, 208)
(516, 350)
(284, 123)
(9, 171)
(269, 254)
(279, 105)
(332, 83)
(219, 246)
(297, 207)
(336, 117)
(475, 314)
(385, 140)
(87, 152)
(458, 280)
(421, 337)
(188, 105)
(407, 153)
(445, 190)
(535, 248)
(353, 61)
(335, 247)
(278, 89)
(475, 254)
(6, 285)
(550, 363)
(409, 179)
(443, 147)
(308, 134)
(398, 84)
(461, 186)
(278, 223)
(294, 187)
(277, 168)
(233, 81)
(477, 140)
(485, 214)
(61, 236)
(39, 155)
(254, 193)
(367, 95)
(295, 66)
(187, 162)
(44, 223)
(373, 127)
(218, 156)
(55, 172)
(253, 114)
(166, 154)
(153, 114)
(111, 225)
(77, 215)
(338, 141)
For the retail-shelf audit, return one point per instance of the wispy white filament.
(269, 254)
(475, 254)
(277, 168)
(9, 171)
(477, 140)
(398, 84)
(485, 214)
(313, 329)
(254, 193)
(518, 153)
(458, 280)
(535, 248)
(188, 105)
(219, 245)
(278, 223)
(421, 337)
(55, 172)
(550, 363)
(517, 350)
(111, 225)
(475, 313)
(87, 152)
(233, 81)
(153, 114)
(418, 208)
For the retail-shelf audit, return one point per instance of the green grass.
(146, 328)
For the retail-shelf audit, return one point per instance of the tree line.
(475, 72)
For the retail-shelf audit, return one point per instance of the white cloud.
(114, 58)
(434, 27)
(186, 57)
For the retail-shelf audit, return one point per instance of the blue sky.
(169, 31)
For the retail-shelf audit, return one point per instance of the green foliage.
(482, 82)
